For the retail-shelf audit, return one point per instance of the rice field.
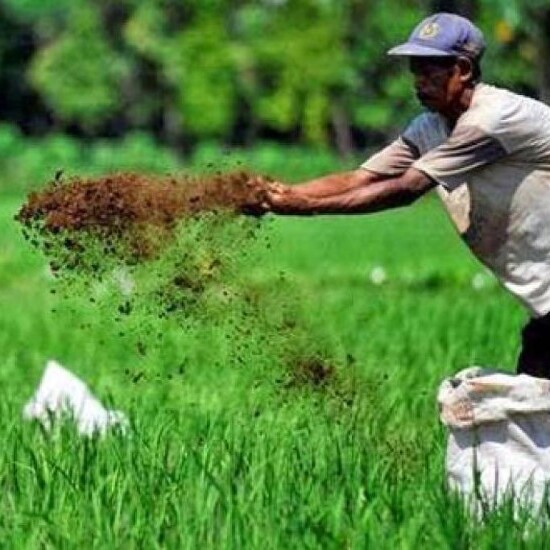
(233, 456)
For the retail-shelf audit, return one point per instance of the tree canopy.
(233, 71)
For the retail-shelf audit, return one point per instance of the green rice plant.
(234, 456)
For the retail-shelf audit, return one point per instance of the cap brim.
(412, 50)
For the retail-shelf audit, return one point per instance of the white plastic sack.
(499, 435)
(61, 393)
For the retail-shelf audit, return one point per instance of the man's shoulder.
(495, 109)
(427, 121)
(485, 92)
(426, 131)
(511, 118)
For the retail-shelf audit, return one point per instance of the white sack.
(499, 428)
(61, 393)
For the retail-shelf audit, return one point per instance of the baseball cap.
(443, 35)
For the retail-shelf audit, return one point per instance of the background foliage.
(310, 72)
(225, 456)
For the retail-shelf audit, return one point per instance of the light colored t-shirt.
(493, 171)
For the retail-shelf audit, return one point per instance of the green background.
(229, 456)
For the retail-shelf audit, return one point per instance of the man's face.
(437, 81)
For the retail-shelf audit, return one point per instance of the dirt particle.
(311, 371)
(141, 348)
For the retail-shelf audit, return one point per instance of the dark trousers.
(534, 358)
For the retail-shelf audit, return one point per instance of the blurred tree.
(78, 73)
(381, 101)
(528, 22)
(234, 71)
(47, 17)
(20, 104)
(199, 65)
(194, 63)
(466, 8)
(513, 58)
(301, 68)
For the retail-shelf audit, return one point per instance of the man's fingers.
(257, 210)
(257, 182)
(267, 196)
(275, 187)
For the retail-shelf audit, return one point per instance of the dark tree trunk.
(466, 8)
(342, 130)
(542, 19)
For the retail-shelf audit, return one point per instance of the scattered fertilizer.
(133, 215)
(159, 254)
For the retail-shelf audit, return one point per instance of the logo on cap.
(443, 34)
(429, 30)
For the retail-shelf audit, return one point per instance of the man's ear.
(466, 69)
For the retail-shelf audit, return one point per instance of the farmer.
(487, 152)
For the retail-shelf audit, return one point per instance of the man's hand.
(304, 199)
(355, 192)
(284, 199)
(255, 202)
(267, 196)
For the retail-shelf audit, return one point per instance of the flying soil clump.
(133, 215)
(170, 246)
(169, 253)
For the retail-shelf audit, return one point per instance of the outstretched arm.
(334, 184)
(356, 192)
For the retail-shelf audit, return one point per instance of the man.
(485, 149)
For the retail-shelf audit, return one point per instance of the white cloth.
(499, 435)
(61, 393)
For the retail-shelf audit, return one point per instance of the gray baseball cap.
(443, 35)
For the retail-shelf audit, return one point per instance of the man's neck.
(458, 108)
